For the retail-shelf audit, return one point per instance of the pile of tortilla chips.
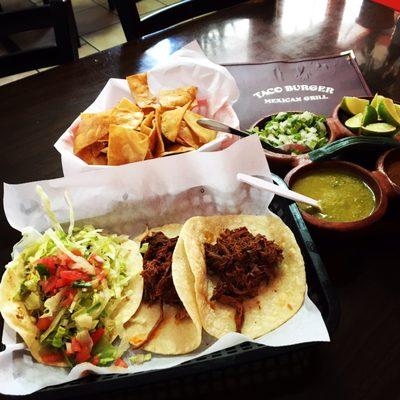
(150, 128)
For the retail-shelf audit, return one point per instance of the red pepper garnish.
(119, 362)
(97, 334)
(51, 358)
(44, 323)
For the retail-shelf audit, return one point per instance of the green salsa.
(343, 197)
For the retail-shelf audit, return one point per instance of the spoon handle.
(338, 146)
(280, 191)
(220, 127)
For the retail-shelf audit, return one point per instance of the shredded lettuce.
(47, 208)
(140, 358)
(59, 337)
(71, 214)
(53, 325)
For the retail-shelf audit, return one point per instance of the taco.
(248, 271)
(68, 294)
(167, 321)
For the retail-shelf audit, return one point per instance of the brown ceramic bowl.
(365, 175)
(388, 172)
(277, 160)
(340, 116)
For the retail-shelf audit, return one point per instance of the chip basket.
(247, 362)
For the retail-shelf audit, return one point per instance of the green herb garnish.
(42, 270)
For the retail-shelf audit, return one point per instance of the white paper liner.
(189, 66)
(124, 200)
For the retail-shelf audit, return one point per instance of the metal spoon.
(220, 127)
(280, 191)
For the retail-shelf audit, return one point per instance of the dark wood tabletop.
(363, 359)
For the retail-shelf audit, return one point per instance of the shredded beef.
(157, 276)
(241, 262)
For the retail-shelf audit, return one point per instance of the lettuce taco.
(68, 294)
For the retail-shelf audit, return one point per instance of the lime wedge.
(353, 105)
(397, 107)
(369, 116)
(378, 129)
(355, 121)
(388, 113)
(376, 100)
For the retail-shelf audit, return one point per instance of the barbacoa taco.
(68, 294)
(167, 321)
(248, 271)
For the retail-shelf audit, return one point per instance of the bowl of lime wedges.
(368, 116)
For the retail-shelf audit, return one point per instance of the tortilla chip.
(176, 149)
(87, 155)
(274, 304)
(177, 97)
(91, 129)
(159, 144)
(127, 114)
(204, 135)
(187, 137)
(140, 89)
(170, 122)
(127, 105)
(147, 124)
(126, 145)
(98, 147)
(194, 104)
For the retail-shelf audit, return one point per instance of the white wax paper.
(189, 66)
(124, 200)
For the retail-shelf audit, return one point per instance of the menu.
(316, 85)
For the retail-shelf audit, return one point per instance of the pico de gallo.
(73, 285)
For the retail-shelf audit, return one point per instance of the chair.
(57, 14)
(134, 28)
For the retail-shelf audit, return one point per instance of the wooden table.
(362, 362)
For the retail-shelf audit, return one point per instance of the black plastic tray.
(248, 359)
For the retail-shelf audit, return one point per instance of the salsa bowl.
(379, 194)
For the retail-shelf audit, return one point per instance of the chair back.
(57, 14)
(135, 28)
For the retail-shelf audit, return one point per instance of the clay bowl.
(340, 116)
(365, 175)
(281, 161)
(385, 169)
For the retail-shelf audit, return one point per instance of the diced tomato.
(77, 252)
(68, 297)
(95, 260)
(51, 358)
(49, 263)
(119, 362)
(75, 345)
(49, 285)
(95, 360)
(100, 273)
(43, 323)
(60, 283)
(97, 334)
(82, 356)
(71, 276)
